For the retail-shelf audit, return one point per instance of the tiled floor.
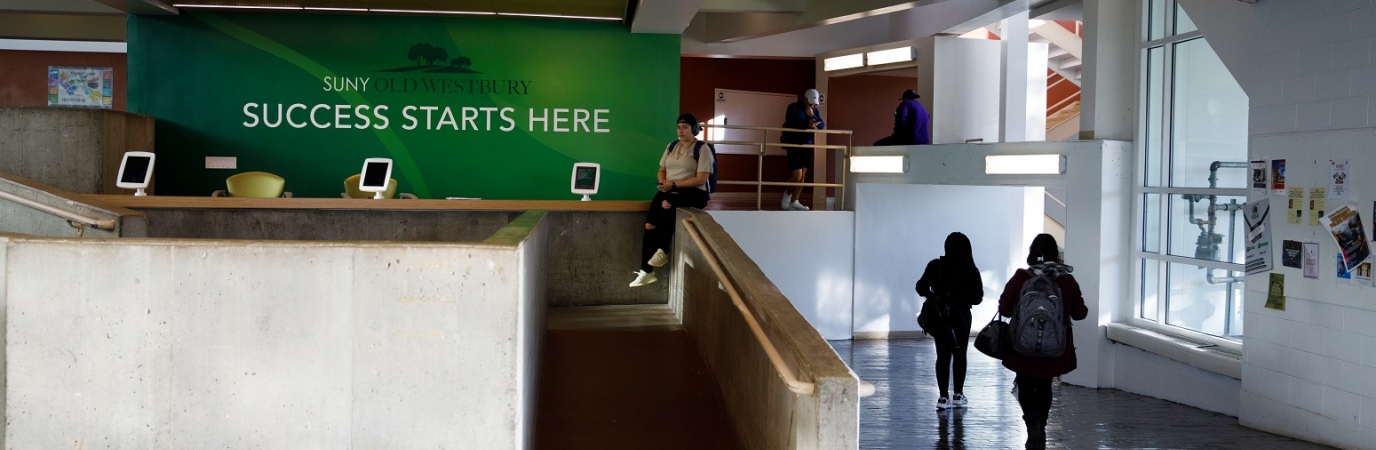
(902, 413)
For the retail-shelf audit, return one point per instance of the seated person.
(682, 183)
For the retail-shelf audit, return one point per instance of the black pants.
(950, 350)
(1034, 396)
(662, 237)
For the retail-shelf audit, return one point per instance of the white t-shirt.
(679, 165)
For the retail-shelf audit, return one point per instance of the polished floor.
(902, 412)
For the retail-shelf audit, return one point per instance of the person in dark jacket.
(1034, 374)
(801, 115)
(911, 123)
(954, 280)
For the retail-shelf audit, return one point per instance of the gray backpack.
(1039, 325)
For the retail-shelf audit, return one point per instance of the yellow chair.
(254, 184)
(351, 189)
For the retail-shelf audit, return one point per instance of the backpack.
(697, 150)
(1039, 325)
(934, 316)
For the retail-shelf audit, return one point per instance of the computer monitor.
(135, 172)
(586, 178)
(376, 173)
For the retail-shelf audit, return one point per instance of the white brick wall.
(1310, 371)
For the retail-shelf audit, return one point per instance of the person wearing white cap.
(801, 115)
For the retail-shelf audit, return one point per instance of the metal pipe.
(68, 215)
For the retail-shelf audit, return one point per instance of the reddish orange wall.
(864, 104)
(24, 74)
(699, 78)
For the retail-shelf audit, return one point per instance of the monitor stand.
(378, 196)
(587, 198)
(140, 193)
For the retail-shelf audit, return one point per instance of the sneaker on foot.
(798, 206)
(786, 203)
(943, 403)
(959, 400)
(659, 259)
(643, 278)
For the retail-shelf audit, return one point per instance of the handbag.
(993, 339)
(934, 316)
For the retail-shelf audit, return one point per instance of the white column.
(1013, 80)
(1109, 87)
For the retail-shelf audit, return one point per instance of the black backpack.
(697, 150)
(1039, 322)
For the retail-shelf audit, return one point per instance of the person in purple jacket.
(911, 124)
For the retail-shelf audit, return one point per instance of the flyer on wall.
(1258, 178)
(1345, 224)
(1317, 204)
(1360, 275)
(1290, 253)
(1337, 179)
(1275, 295)
(1295, 206)
(1277, 177)
(1258, 236)
(1311, 259)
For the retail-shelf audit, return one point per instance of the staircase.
(1064, 42)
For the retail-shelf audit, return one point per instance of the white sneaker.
(643, 278)
(943, 403)
(785, 204)
(798, 206)
(959, 401)
(659, 259)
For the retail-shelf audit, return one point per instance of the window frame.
(1163, 186)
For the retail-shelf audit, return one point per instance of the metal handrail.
(785, 373)
(759, 182)
(68, 215)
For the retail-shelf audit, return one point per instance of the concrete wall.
(808, 255)
(78, 150)
(291, 345)
(767, 415)
(899, 228)
(17, 216)
(592, 254)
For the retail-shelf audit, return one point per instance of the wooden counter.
(166, 202)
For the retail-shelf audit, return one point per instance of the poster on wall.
(1275, 293)
(497, 108)
(1295, 206)
(1337, 179)
(1358, 276)
(1291, 254)
(1258, 236)
(1318, 202)
(1258, 178)
(86, 87)
(1277, 177)
(1311, 259)
(1345, 224)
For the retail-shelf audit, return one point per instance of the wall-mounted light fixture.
(1024, 164)
(843, 62)
(890, 56)
(879, 164)
(402, 11)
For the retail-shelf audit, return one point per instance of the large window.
(1192, 161)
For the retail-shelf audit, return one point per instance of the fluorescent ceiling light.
(879, 164)
(1034, 23)
(427, 11)
(1024, 164)
(558, 16)
(185, 5)
(317, 8)
(843, 62)
(890, 56)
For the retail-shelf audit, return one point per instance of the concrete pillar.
(1109, 72)
(1013, 80)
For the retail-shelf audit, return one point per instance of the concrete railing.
(76, 149)
(169, 343)
(33, 208)
(770, 405)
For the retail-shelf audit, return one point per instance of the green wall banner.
(494, 108)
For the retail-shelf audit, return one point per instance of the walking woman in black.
(953, 280)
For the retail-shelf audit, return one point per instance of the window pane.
(1183, 24)
(1151, 223)
(1208, 119)
(1156, 117)
(1199, 303)
(1195, 233)
(1156, 20)
(1151, 279)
